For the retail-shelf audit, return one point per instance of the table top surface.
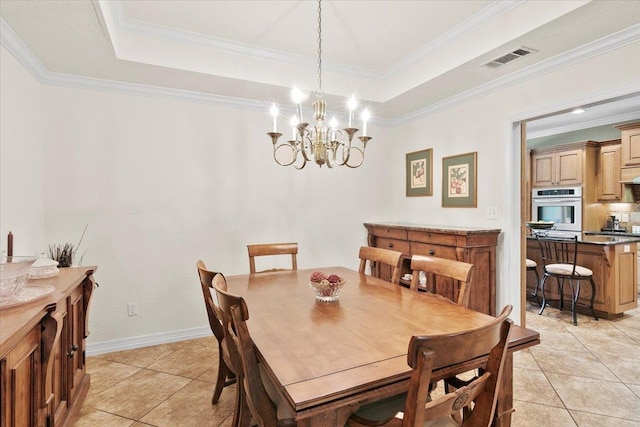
(320, 351)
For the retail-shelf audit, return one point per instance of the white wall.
(162, 183)
(484, 125)
(22, 140)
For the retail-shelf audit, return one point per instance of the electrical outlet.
(132, 309)
(492, 212)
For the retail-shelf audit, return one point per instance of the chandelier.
(323, 144)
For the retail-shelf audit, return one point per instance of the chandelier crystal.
(320, 143)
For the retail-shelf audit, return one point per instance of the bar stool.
(559, 255)
(533, 266)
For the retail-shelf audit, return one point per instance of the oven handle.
(559, 200)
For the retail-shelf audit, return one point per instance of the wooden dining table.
(328, 358)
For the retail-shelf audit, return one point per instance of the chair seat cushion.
(281, 406)
(531, 263)
(382, 410)
(567, 270)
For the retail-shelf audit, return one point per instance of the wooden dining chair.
(226, 376)
(379, 255)
(453, 409)
(260, 400)
(445, 277)
(269, 249)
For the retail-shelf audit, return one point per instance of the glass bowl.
(326, 291)
(14, 273)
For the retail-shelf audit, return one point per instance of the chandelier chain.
(319, 93)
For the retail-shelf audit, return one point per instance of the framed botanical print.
(459, 181)
(419, 173)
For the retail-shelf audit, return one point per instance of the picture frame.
(419, 173)
(460, 181)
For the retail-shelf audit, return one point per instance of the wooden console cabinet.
(43, 379)
(473, 245)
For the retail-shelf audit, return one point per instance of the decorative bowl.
(327, 290)
(540, 225)
(43, 268)
(14, 273)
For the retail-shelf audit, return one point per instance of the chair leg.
(535, 290)
(544, 298)
(223, 372)
(574, 296)
(561, 290)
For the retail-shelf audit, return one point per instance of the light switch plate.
(492, 212)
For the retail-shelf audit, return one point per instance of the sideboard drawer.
(392, 233)
(393, 244)
(439, 251)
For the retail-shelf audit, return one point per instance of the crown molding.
(492, 11)
(17, 47)
(589, 50)
(584, 125)
(133, 26)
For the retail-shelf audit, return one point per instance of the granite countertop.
(436, 228)
(600, 239)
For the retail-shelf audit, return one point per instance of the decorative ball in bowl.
(326, 288)
(14, 273)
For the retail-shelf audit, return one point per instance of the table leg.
(504, 407)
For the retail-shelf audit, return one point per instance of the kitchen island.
(615, 268)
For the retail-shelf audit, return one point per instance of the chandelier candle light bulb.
(352, 104)
(365, 118)
(317, 142)
(274, 115)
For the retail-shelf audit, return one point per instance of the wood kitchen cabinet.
(473, 245)
(609, 161)
(42, 353)
(569, 164)
(630, 138)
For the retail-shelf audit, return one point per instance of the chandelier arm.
(275, 157)
(361, 158)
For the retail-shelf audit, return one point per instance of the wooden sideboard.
(42, 353)
(473, 245)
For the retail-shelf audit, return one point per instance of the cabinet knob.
(390, 245)
(71, 353)
(432, 252)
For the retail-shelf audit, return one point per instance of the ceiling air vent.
(511, 56)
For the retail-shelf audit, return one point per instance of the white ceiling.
(399, 58)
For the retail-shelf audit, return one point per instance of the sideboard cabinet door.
(20, 388)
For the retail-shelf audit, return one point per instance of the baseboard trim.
(95, 349)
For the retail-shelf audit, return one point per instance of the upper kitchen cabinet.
(609, 187)
(569, 164)
(630, 137)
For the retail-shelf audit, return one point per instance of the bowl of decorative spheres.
(326, 288)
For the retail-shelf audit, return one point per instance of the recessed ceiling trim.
(14, 44)
(589, 50)
(584, 125)
(133, 26)
(476, 20)
(146, 29)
